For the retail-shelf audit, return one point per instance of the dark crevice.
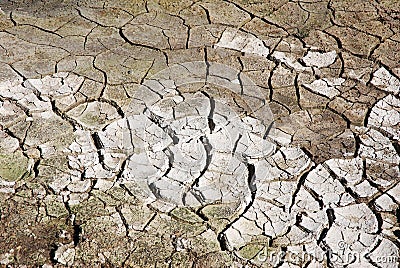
(156, 192)
(105, 76)
(268, 130)
(315, 196)
(239, 75)
(348, 122)
(378, 216)
(308, 153)
(270, 87)
(338, 41)
(61, 114)
(210, 117)
(201, 214)
(77, 234)
(236, 144)
(207, 63)
(159, 122)
(208, 148)
(188, 37)
(357, 144)
(367, 114)
(52, 253)
(21, 141)
(12, 19)
(252, 16)
(170, 156)
(340, 56)
(372, 51)
(35, 167)
(149, 221)
(19, 73)
(398, 214)
(100, 147)
(198, 195)
(389, 70)
(282, 257)
(251, 182)
(296, 85)
(300, 183)
(124, 222)
(207, 14)
(222, 239)
(113, 104)
(123, 186)
(121, 172)
(396, 146)
(331, 216)
(368, 257)
(123, 36)
(320, 241)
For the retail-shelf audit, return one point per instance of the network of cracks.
(199, 134)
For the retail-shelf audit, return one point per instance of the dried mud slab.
(199, 133)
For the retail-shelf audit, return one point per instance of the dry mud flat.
(199, 134)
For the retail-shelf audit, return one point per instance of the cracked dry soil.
(219, 133)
